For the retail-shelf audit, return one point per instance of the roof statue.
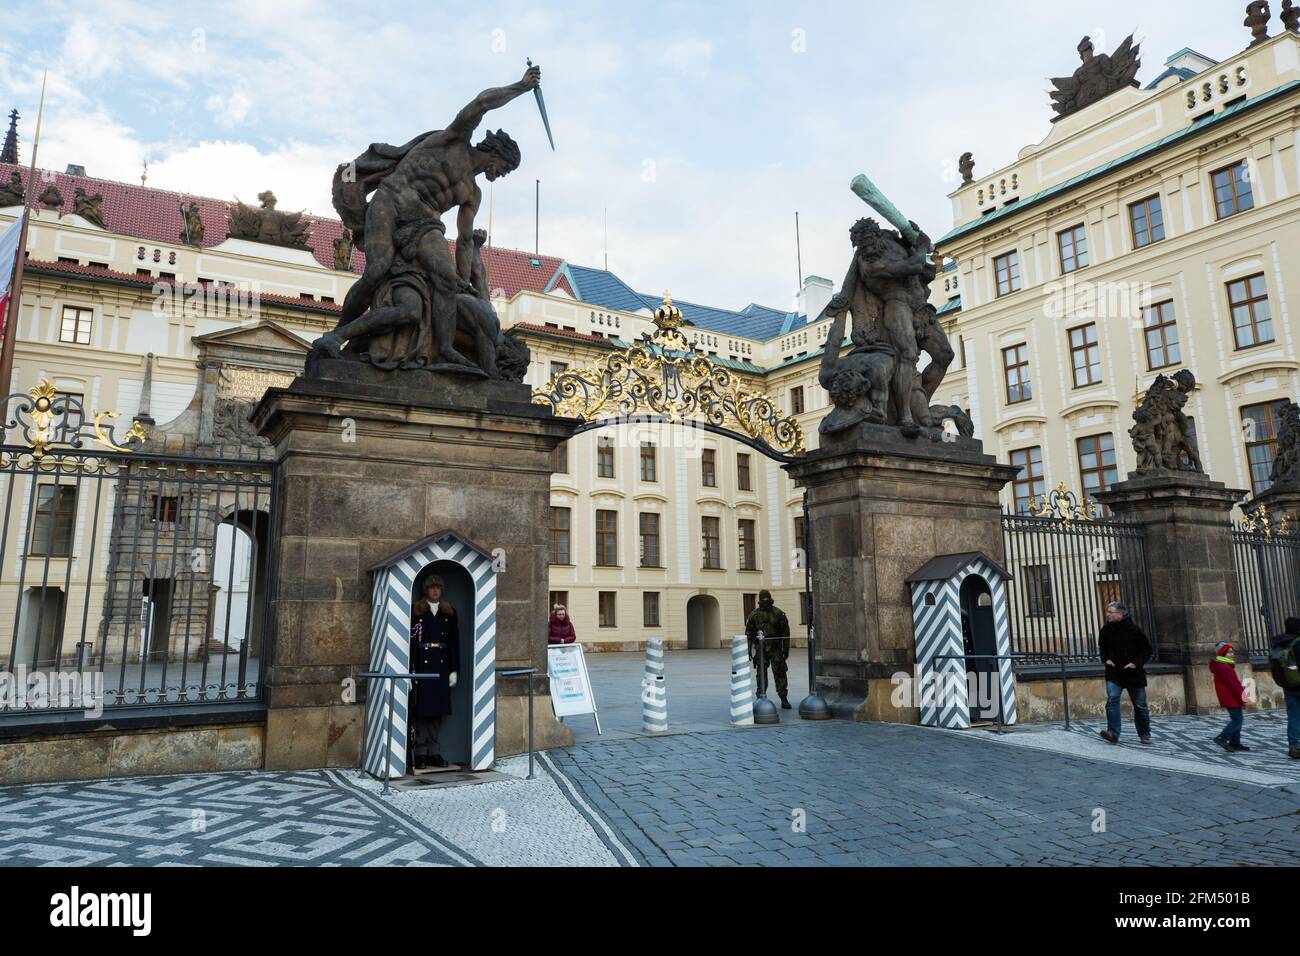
(418, 306)
(267, 224)
(1257, 17)
(51, 198)
(191, 224)
(1290, 16)
(966, 166)
(1097, 78)
(12, 192)
(89, 207)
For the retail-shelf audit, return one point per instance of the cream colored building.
(1155, 230)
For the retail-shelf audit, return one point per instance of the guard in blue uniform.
(435, 649)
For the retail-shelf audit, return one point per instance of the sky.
(695, 130)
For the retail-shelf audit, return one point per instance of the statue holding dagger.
(417, 305)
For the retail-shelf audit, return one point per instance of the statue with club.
(886, 291)
(413, 299)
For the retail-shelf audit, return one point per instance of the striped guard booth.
(390, 649)
(936, 621)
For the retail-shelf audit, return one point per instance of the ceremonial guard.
(435, 649)
(771, 621)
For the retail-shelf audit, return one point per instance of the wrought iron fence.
(1267, 557)
(129, 580)
(1067, 561)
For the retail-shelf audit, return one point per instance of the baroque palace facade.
(1155, 230)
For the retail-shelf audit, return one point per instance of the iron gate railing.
(130, 580)
(1267, 559)
(1067, 560)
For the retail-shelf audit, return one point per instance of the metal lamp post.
(814, 706)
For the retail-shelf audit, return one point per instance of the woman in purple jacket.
(560, 630)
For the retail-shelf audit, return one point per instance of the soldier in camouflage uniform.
(771, 620)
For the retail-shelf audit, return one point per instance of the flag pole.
(9, 343)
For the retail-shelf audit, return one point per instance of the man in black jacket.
(1125, 649)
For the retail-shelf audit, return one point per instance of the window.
(605, 457)
(557, 368)
(1161, 335)
(649, 471)
(1038, 590)
(1073, 246)
(648, 529)
(1260, 424)
(798, 533)
(1148, 221)
(560, 532)
(1015, 364)
(796, 400)
(1007, 269)
(52, 524)
(606, 539)
(712, 543)
(805, 607)
(166, 510)
(561, 598)
(607, 608)
(748, 605)
(75, 327)
(1232, 190)
(1097, 468)
(650, 609)
(560, 465)
(709, 468)
(748, 550)
(1029, 482)
(743, 480)
(1252, 321)
(1085, 355)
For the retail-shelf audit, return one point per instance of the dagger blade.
(541, 108)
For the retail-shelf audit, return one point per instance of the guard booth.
(959, 608)
(467, 735)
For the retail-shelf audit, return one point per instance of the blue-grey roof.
(1179, 71)
(1132, 157)
(952, 305)
(603, 288)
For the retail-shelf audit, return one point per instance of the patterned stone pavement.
(797, 794)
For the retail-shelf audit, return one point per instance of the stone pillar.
(1194, 593)
(880, 506)
(367, 469)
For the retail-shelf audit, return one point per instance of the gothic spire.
(9, 152)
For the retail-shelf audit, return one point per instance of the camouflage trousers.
(775, 653)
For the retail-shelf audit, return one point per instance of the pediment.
(260, 335)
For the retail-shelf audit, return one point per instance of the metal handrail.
(388, 739)
(528, 672)
(1060, 658)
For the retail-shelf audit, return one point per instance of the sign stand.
(571, 695)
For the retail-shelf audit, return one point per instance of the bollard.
(654, 695)
(742, 694)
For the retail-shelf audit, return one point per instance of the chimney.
(814, 297)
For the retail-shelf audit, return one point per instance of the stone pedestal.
(368, 468)
(1194, 591)
(880, 506)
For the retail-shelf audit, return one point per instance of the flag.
(8, 259)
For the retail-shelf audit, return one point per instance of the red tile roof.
(563, 333)
(154, 215)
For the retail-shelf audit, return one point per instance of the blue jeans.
(1293, 718)
(1141, 715)
(1231, 734)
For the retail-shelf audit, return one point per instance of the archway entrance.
(703, 623)
(980, 638)
(240, 571)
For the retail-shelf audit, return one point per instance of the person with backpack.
(1125, 649)
(1282, 665)
(1232, 696)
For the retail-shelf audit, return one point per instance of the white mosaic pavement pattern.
(1183, 744)
(514, 822)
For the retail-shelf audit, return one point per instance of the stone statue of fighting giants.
(417, 305)
(886, 292)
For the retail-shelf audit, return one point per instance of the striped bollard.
(654, 696)
(742, 691)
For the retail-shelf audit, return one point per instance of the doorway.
(980, 638)
(703, 622)
(458, 590)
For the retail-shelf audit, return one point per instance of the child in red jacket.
(1231, 695)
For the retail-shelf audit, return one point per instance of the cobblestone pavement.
(310, 818)
(881, 794)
